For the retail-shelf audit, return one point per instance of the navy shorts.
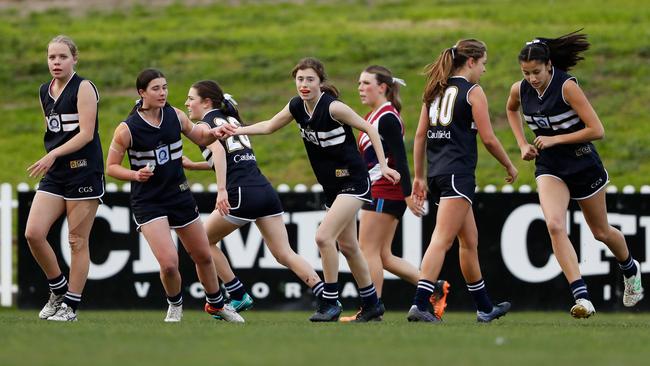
(582, 184)
(85, 187)
(359, 189)
(248, 204)
(391, 207)
(452, 186)
(178, 214)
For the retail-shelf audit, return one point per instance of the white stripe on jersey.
(332, 133)
(176, 145)
(143, 162)
(67, 127)
(334, 141)
(566, 124)
(140, 154)
(177, 154)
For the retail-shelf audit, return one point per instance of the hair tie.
(230, 99)
(138, 101)
(399, 81)
(453, 52)
(534, 41)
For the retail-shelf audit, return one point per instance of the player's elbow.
(598, 133)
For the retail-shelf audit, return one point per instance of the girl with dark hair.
(455, 108)
(73, 177)
(567, 165)
(325, 126)
(160, 196)
(379, 90)
(244, 195)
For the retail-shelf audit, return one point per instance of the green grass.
(251, 47)
(287, 338)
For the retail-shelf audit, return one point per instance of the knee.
(78, 243)
(202, 258)
(324, 241)
(169, 269)
(284, 257)
(601, 234)
(556, 227)
(34, 235)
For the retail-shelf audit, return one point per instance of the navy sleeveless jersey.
(62, 124)
(451, 137)
(160, 146)
(550, 115)
(241, 164)
(330, 144)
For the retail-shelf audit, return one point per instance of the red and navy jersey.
(451, 137)
(162, 147)
(241, 164)
(330, 144)
(386, 119)
(62, 124)
(549, 114)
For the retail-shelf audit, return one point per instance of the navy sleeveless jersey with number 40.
(549, 114)
(451, 137)
(162, 147)
(241, 164)
(330, 144)
(62, 122)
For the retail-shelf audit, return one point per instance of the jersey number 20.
(442, 109)
(234, 143)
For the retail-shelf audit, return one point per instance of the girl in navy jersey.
(244, 195)
(73, 181)
(567, 165)
(325, 126)
(379, 90)
(455, 108)
(160, 195)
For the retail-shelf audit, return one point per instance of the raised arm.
(528, 151)
(121, 141)
(345, 114)
(478, 100)
(87, 108)
(267, 127)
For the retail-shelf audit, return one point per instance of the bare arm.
(528, 151)
(87, 109)
(419, 191)
(593, 127)
(198, 133)
(221, 171)
(478, 100)
(345, 114)
(195, 165)
(267, 127)
(121, 141)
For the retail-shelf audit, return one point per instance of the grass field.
(287, 338)
(250, 47)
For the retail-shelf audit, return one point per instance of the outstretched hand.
(224, 131)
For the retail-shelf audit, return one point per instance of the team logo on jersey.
(74, 164)
(184, 186)
(541, 120)
(162, 154)
(54, 123)
(340, 173)
(583, 150)
(309, 135)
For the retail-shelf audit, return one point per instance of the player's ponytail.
(317, 66)
(208, 89)
(449, 60)
(384, 76)
(563, 52)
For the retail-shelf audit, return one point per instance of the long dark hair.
(144, 78)
(384, 76)
(209, 89)
(449, 60)
(563, 52)
(317, 66)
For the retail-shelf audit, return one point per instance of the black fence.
(514, 248)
